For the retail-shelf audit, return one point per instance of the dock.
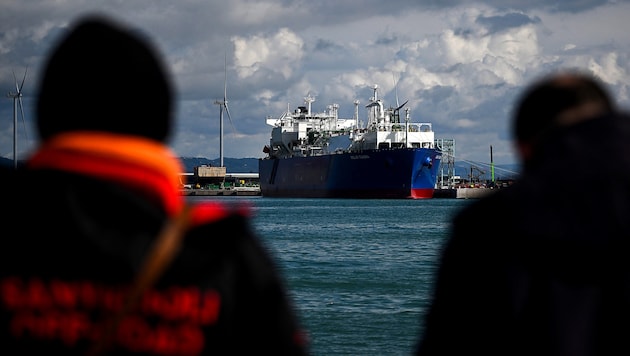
(236, 191)
(462, 193)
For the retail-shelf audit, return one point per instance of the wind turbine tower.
(223, 106)
(17, 99)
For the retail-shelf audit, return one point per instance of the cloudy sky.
(461, 64)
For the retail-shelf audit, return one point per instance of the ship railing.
(410, 127)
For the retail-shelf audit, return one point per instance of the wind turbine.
(17, 99)
(222, 106)
(398, 106)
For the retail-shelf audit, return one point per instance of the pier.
(462, 193)
(235, 191)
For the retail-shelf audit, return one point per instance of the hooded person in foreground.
(89, 203)
(543, 267)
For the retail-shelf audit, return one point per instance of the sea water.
(359, 271)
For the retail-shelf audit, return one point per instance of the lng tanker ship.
(318, 155)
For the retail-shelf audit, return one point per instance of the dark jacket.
(542, 267)
(78, 220)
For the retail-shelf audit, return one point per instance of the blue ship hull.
(402, 173)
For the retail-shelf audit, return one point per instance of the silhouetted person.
(542, 267)
(83, 213)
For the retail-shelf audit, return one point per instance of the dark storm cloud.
(325, 45)
(507, 21)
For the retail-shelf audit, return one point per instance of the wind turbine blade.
(396, 88)
(17, 87)
(23, 79)
(22, 112)
(400, 107)
(227, 111)
(225, 80)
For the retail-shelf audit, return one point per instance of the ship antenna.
(356, 113)
(17, 100)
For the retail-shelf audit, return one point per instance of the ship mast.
(308, 100)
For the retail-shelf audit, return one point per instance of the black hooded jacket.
(543, 267)
(78, 220)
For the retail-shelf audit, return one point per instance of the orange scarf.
(141, 163)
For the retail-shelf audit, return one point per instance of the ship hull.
(407, 173)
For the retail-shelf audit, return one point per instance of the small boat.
(318, 155)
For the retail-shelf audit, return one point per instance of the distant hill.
(462, 168)
(482, 171)
(250, 165)
(232, 165)
(8, 162)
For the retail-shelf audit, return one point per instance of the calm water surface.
(359, 271)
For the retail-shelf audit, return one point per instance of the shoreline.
(455, 193)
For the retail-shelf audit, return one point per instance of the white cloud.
(608, 69)
(280, 53)
(459, 66)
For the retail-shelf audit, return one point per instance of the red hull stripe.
(422, 193)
